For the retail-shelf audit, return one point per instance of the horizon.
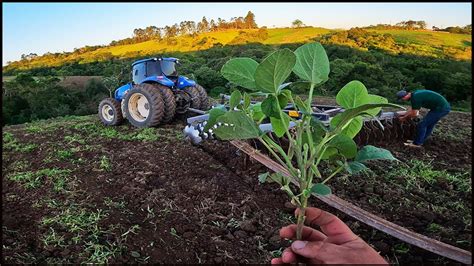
(46, 27)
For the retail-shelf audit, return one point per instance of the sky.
(61, 27)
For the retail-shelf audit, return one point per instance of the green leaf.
(370, 152)
(270, 107)
(345, 145)
(246, 100)
(355, 167)
(353, 94)
(235, 99)
(282, 100)
(277, 177)
(321, 189)
(301, 105)
(349, 114)
(239, 126)
(214, 113)
(350, 130)
(318, 129)
(257, 113)
(263, 177)
(240, 71)
(372, 98)
(280, 126)
(274, 69)
(287, 94)
(300, 85)
(312, 63)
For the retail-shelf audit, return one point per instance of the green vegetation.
(30, 180)
(11, 143)
(386, 58)
(310, 142)
(419, 174)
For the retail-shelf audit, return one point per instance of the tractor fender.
(160, 80)
(185, 82)
(121, 91)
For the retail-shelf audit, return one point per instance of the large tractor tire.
(110, 113)
(169, 102)
(144, 106)
(193, 92)
(205, 103)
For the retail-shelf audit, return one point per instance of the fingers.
(310, 250)
(336, 230)
(287, 257)
(308, 233)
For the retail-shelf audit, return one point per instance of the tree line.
(373, 59)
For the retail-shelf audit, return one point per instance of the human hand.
(336, 244)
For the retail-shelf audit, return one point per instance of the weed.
(74, 138)
(20, 165)
(233, 223)
(146, 134)
(401, 248)
(434, 227)
(34, 129)
(11, 143)
(34, 179)
(419, 170)
(105, 163)
(276, 253)
(52, 239)
(110, 203)
(132, 230)
(64, 154)
(174, 233)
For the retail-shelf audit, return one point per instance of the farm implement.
(382, 128)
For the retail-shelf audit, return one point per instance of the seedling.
(310, 142)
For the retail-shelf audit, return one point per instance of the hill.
(422, 42)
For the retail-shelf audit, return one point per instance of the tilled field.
(75, 191)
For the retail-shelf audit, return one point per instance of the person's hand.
(336, 244)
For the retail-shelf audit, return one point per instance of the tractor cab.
(153, 67)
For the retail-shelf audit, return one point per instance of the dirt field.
(75, 191)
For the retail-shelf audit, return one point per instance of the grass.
(431, 38)
(30, 180)
(85, 226)
(12, 144)
(105, 163)
(417, 173)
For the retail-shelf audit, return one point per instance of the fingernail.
(299, 244)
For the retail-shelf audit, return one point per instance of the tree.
(297, 23)
(249, 21)
(203, 26)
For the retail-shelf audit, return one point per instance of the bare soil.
(167, 201)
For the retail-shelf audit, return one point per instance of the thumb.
(313, 249)
(306, 249)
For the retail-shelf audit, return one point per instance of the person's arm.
(334, 244)
(410, 113)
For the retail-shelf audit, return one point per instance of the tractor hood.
(184, 82)
(163, 80)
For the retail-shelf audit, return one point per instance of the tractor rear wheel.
(110, 112)
(193, 92)
(205, 104)
(144, 106)
(169, 102)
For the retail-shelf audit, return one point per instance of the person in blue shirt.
(435, 102)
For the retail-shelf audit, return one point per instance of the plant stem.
(301, 217)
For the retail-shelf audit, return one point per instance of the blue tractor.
(154, 96)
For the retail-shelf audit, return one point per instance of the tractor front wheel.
(144, 106)
(110, 113)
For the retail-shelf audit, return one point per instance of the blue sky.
(57, 27)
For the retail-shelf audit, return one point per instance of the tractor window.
(168, 68)
(153, 69)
